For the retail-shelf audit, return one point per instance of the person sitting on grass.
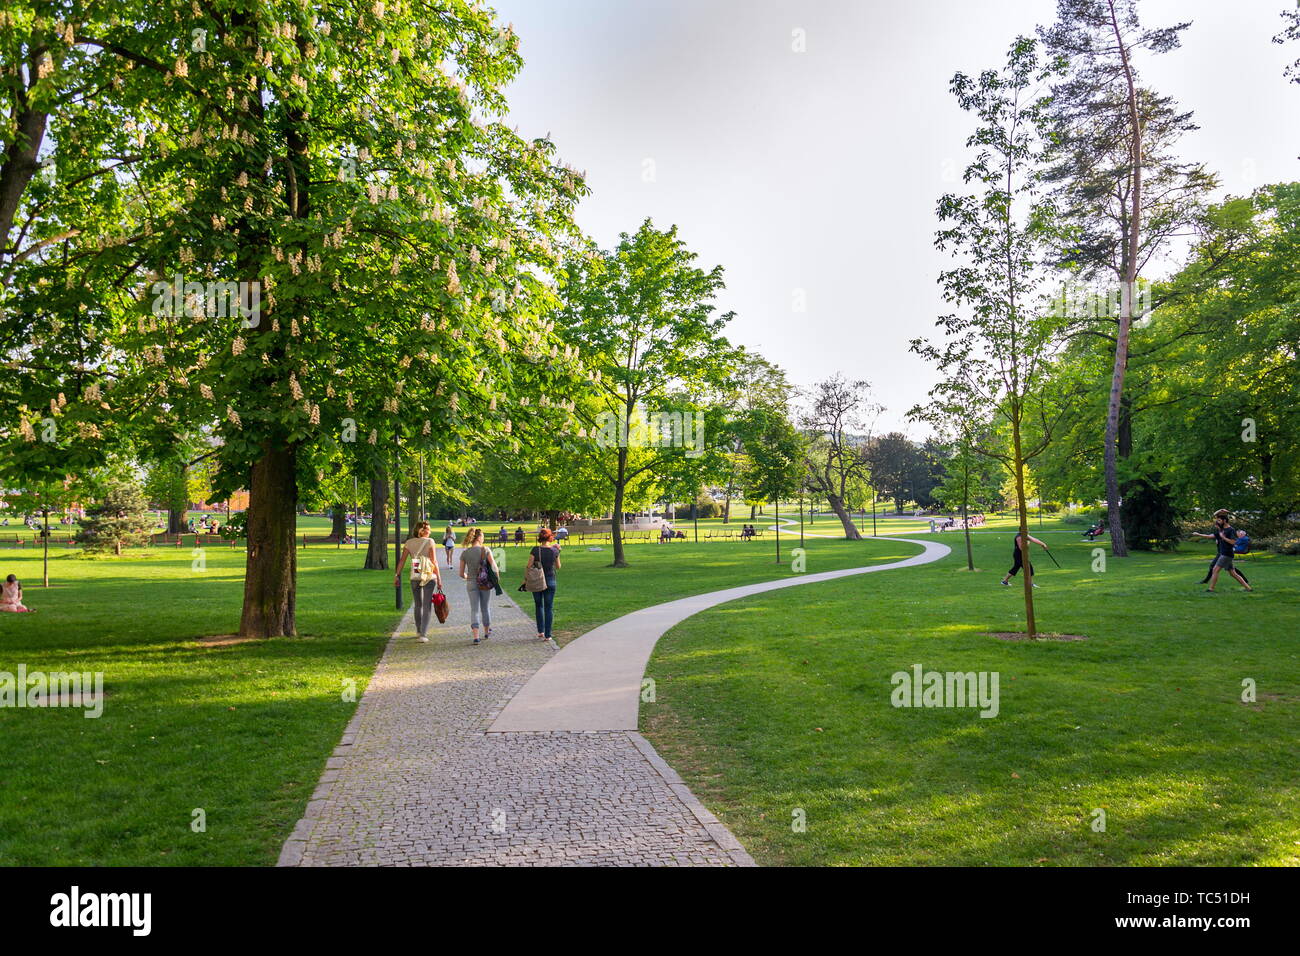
(11, 597)
(1018, 562)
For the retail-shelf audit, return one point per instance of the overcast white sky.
(819, 171)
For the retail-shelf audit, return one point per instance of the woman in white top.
(425, 577)
(449, 543)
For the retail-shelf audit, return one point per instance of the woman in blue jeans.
(546, 556)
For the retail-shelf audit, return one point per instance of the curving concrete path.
(594, 683)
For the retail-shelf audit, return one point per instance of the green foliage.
(643, 316)
(1151, 520)
(117, 521)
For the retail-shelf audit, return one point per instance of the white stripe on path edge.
(594, 683)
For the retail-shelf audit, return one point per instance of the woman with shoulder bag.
(539, 578)
(478, 569)
(425, 577)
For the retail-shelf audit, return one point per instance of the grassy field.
(590, 592)
(241, 732)
(1143, 720)
(778, 707)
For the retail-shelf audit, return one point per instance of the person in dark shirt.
(1225, 536)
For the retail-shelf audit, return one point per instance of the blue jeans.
(543, 604)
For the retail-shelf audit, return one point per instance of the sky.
(803, 145)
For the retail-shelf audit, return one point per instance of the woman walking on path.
(449, 544)
(425, 577)
(545, 556)
(473, 557)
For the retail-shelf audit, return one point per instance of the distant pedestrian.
(449, 544)
(425, 577)
(478, 569)
(546, 556)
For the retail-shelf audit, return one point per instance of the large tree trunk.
(20, 159)
(338, 521)
(176, 506)
(1128, 291)
(851, 531)
(412, 507)
(272, 565)
(616, 526)
(377, 549)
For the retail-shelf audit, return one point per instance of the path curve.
(594, 683)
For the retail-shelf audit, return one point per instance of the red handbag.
(440, 607)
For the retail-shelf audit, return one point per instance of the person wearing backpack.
(539, 578)
(479, 571)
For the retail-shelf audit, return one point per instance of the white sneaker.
(422, 640)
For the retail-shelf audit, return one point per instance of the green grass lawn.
(590, 592)
(780, 704)
(241, 732)
(1143, 719)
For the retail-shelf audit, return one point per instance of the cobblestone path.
(418, 781)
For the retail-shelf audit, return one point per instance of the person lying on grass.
(11, 597)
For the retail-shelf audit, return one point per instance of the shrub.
(1150, 519)
(1281, 544)
(117, 521)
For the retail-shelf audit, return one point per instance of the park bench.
(321, 539)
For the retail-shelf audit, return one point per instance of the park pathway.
(418, 781)
(594, 683)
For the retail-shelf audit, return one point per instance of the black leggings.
(1018, 563)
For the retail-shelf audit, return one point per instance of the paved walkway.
(416, 780)
(594, 682)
